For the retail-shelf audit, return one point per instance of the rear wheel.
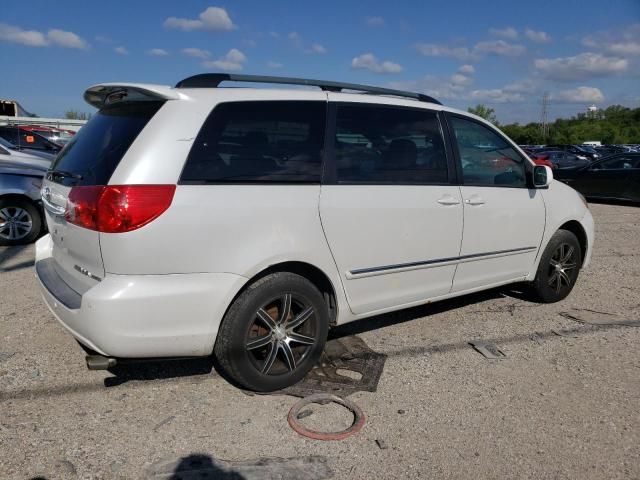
(273, 333)
(559, 267)
(20, 221)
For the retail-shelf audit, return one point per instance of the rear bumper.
(138, 316)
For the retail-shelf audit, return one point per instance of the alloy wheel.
(282, 333)
(561, 266)
(15, 223)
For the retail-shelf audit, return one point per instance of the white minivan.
(245, 222)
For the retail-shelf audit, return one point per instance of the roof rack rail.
(213, 80)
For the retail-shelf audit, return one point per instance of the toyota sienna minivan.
(245, 222)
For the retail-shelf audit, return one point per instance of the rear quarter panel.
(240, 229)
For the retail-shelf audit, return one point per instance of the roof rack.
(213, 80)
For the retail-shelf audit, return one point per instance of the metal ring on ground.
(358, 421)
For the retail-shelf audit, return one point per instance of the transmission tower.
(544, 122)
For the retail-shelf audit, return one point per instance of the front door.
(503, 219)
(391, 214)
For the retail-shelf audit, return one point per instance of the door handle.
(448, 200)
(474, 200)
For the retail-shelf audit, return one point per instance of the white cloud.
(460, 79)
(496, 95)
(580, 95)
(437, 86)
(213, 18)
(274, 65)
(158, 52)
(317, 48)
(31, 38)
(480, 49)
(234, 60)
(103, 39)
(274, 34)
(625, 48)
(508, 32)
(435, 50)
(34, 38)
(499, 47)
(524, 86)
(66, 39)
(368, 61)
(375, 21)
(466, 69)
(537, 36)
(580, 67)
(196, 52)
(121, 50)
(625, 42)
(296, 39)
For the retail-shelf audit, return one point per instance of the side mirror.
(542, 176)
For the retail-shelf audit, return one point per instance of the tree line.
(613, 125)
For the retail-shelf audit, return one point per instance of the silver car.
(20, 205)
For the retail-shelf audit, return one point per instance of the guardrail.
(63, 123)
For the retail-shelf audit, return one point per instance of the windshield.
(95, 151)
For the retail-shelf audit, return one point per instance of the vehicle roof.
(96, 95)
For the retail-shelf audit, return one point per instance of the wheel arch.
(312, 273)
(578, 230)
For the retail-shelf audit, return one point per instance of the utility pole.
(544, 122)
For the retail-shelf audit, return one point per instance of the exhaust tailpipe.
(100, 362)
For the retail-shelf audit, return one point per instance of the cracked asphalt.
(564, 403)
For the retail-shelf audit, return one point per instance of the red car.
(541, 159)
(55, 135)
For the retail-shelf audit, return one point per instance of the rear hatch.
(89, 159)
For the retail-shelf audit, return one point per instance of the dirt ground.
(560, 405)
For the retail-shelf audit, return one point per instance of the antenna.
(544, 121)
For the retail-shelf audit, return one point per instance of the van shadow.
(159, 369)
(515, 291)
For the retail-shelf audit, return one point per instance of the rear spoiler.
(110, 93)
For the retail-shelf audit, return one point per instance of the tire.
(20, 221)
(558, 269)
(265, 345)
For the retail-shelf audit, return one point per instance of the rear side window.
(93, 154)
(389, 145)
(487, 158)
(259, 142)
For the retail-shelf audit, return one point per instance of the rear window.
(259, 142)
(93, 154)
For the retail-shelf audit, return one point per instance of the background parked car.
(14, 148)
(615, 177)
(31, 139)
(55, 135)
(580, 150)
(560, 159)
(21, 216)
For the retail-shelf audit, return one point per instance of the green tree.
(485, 112)
(75, 115)
(614, 124)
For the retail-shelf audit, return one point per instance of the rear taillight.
(117, 208)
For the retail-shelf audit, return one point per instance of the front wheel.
(20, 221)
(273, 333)
(559, 267)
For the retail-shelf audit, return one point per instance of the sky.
(502, 53)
